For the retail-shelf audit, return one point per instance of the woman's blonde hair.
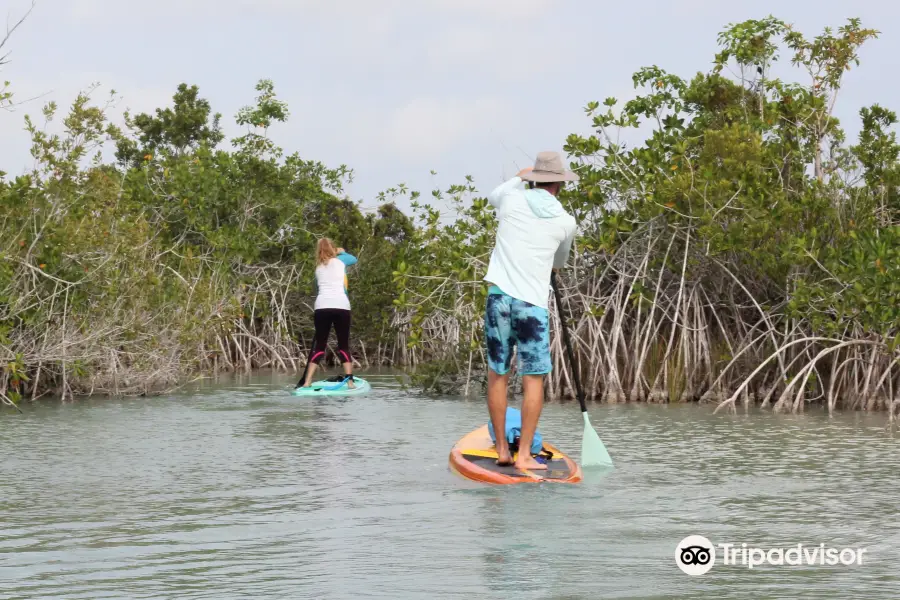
(325, 251)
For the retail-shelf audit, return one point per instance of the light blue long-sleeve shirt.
(535, 234)
(347, 258)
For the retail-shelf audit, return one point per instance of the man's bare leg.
(532, 404)
(496, 397)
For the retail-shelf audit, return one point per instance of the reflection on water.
(240, 490)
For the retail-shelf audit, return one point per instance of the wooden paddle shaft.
(565, 335)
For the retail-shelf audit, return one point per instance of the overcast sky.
(397, 88)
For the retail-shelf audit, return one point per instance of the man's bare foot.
(504, 458)
(350, 384)
(527, 462)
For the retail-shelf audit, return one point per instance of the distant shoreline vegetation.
(743, 253)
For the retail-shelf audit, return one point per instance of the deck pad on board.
(556, 469)
(334, 388)
(475, 457)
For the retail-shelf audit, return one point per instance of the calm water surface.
(239, 490)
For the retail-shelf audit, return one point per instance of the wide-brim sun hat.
(548, 168)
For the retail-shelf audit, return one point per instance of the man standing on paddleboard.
(534, 237)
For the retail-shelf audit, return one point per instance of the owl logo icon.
(695, 555)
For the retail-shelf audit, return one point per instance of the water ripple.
(240, 490)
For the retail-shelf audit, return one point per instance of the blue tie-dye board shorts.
(511, 323)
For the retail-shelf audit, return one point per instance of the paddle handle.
(565, 335)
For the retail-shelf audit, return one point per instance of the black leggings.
(324, 319)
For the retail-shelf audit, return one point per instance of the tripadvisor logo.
(696, 555)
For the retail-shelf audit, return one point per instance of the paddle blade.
(593, 452)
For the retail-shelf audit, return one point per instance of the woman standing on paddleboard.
(332, 308)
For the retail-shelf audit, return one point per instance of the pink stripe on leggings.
(347, 356)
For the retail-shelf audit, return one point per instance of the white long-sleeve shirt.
(534, 235)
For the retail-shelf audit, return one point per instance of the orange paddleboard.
(475, 457)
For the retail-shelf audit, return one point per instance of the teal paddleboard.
(334, 388)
